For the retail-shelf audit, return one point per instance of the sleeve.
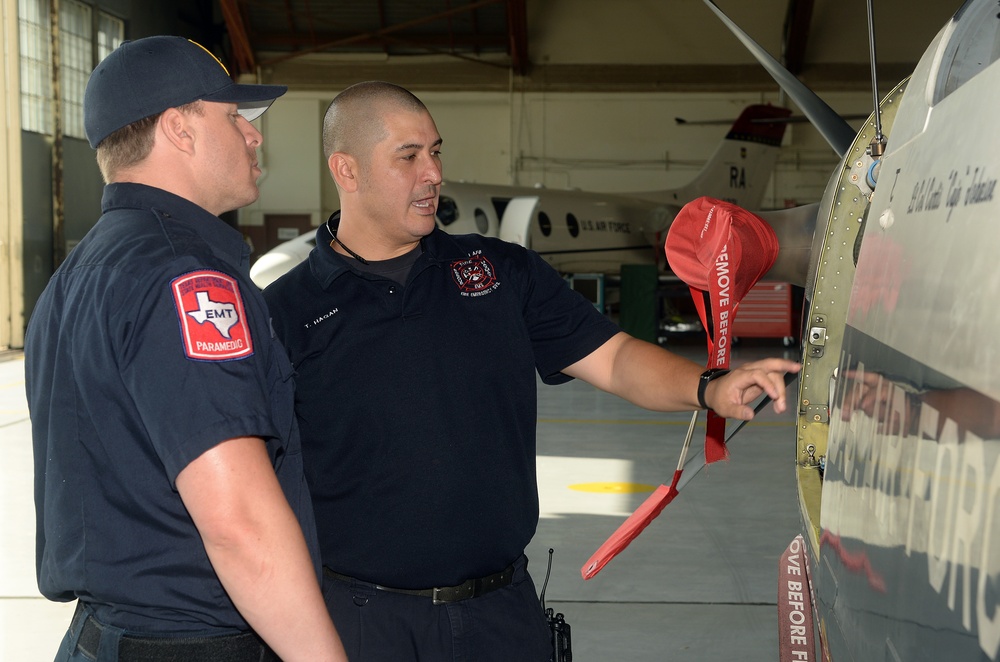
(563, 325)
(193, 359)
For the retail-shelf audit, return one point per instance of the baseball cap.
(149, 75)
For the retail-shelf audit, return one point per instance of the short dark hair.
(353, 123)
(132, 143)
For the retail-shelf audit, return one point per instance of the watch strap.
(706, 377)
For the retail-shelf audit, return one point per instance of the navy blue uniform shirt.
(149, 346)
(417, 403)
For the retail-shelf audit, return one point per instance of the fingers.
(748, 381)
(744, 413)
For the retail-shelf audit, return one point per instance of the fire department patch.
(475, 276)
(210, 312)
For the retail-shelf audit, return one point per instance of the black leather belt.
(243, 647)
(471, 588)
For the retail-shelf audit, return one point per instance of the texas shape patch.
(210, 311)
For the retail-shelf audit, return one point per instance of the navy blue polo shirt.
(417, 402)
(149, 346)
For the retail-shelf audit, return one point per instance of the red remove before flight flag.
(796, 633)
(632, 527)
(720, 250)
(643, 515)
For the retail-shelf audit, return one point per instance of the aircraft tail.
(742, 165)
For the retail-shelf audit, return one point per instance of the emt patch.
(210, 312)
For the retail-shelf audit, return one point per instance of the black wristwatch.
(706, 377)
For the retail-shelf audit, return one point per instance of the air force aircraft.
(898, 424)
(582, 232)
(897, 436)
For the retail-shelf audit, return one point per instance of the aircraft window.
(573, 225)
(447, 211)
(544, 224)
(499, 206)
(973, 45)
(482, 221)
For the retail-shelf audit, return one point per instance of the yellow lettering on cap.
(210, 53)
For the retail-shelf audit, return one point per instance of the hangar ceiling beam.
(382, 34)
(243, 57)
(797, 24)
(517, 28)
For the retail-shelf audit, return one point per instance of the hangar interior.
(561, 94)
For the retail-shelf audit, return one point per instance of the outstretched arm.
(257, 549)
(651, 377)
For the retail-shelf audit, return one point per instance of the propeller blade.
(833, 128)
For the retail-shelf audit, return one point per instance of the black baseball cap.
(147, 76)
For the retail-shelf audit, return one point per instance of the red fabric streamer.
(631, 527)
(796, 632)
(720, 250)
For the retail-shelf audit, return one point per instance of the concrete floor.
(698, 584)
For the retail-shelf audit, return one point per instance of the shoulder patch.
(211, 315)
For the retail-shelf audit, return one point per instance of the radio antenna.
(878, 142)
(541, 597)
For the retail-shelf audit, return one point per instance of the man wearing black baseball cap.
(169, 488)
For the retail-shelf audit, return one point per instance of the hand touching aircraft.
(577, 231)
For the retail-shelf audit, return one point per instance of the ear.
(176, 128)
(344, 170)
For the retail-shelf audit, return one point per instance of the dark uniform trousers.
(88, 640)
(382, 626)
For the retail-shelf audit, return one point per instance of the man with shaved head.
(353, 124)
(415, 354)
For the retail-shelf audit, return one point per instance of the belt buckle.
(444, 595)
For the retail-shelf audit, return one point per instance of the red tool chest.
(766, 312)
